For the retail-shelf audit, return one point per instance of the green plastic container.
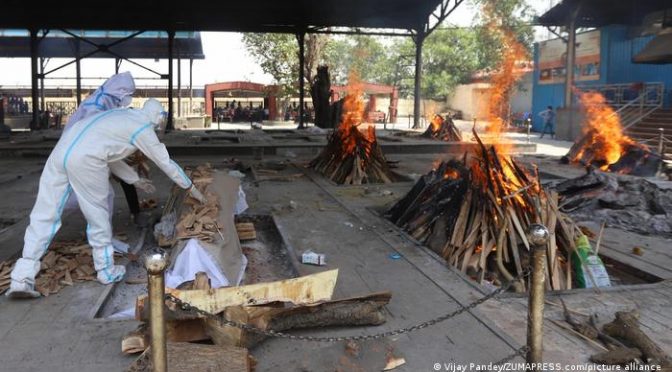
(587, 263)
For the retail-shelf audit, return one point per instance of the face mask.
(126, 100)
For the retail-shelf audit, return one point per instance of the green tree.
(278, 56)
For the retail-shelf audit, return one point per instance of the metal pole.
(171, 40)
(179, 82)
(538, 235)
(528, 121)
(156, 263)
(419, 40)
(117, 63)
(302, 62)
(191, 87)
(42, 103)
(78, 74)
(33, 78)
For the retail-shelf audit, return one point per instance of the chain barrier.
(184, 306)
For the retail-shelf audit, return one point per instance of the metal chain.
(184, 306)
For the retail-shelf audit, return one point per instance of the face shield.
(160, 124)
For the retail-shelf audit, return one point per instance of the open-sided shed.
(414, 18)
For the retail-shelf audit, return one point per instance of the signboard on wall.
(553, 56)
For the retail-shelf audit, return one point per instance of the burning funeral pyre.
(605, 146)
(442, 129)
(475, 214)
(352, 155)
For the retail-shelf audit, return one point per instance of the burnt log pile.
(629, 203)
(635, 159)
(475, 213)
(443, 129)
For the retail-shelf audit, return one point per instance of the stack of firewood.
(281, 306)
(353, 157)
(442, 129)
(199, 220)
(64, 264)
(476, 212)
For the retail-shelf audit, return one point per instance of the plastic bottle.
(587, 263)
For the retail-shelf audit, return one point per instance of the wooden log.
(186, 357)
(617, 356)
(303, 290)
(135, 341)
(626, 327)
(355, 311)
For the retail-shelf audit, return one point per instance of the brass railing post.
(156, 263)
(538, 236)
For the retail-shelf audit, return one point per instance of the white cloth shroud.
(193, 259)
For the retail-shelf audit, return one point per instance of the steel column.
(191, 86)
(171, 41)
(417, 98)
(179, 82)
(43, 105)
(78, 72)
(302, 62)
(33, 79)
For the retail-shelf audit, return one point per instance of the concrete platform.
(57, 334)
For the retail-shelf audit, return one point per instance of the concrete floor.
(57, 333)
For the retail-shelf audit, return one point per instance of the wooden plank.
(303, 290)
(186, 357)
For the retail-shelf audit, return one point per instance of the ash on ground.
(630, 203)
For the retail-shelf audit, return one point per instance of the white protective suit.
(117, 91)
(80, 164)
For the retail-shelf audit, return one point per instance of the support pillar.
(571, 53)
(538, 235)
(417, 98)
(78, 72)
(191, 86)
(43, 104)
(179, 82)
(33, 79)
(171, 41)
(156, 263)
(301, 36)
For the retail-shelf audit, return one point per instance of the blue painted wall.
(616, 52)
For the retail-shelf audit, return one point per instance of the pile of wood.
(629, 203)
(304, 302)
(353, 157)
(622, 341)
(476, 212)
(443, 129)
(636, 159)
(64, 264)
(197, 220)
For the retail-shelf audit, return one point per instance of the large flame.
(351, 130)
(604, 141)
(502, 82)
(505, 76)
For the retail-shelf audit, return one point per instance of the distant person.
(548, 116)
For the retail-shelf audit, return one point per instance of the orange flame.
(603, 132)
(502, 82)
(352, 118)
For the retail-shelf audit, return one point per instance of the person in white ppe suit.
(115, 92)
(80, 164)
